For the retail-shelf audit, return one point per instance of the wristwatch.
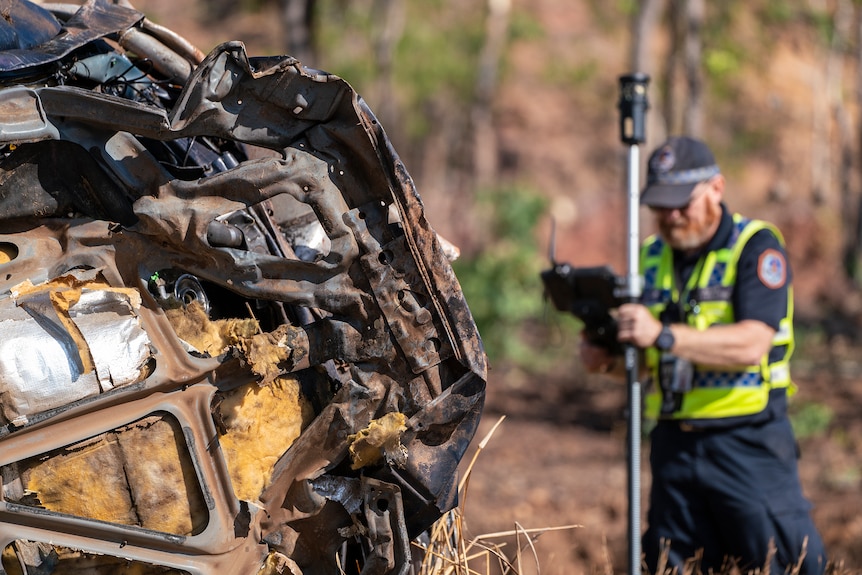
(665, 339)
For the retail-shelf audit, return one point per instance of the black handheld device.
(589, 293)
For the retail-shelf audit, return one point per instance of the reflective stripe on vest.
(727, 391)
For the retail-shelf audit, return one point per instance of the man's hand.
(636, 325)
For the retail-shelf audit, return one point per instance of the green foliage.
(810, 419)
(823, 23)
(434, 60)
(525, 26)
(501, 283)
(628, 7)
(606, 15)
(571, 74)
(724, 55)
(721, 62)
(437, 58)
(516, 212)
(343, 36)
(777, 12)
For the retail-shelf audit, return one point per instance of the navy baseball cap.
(674, 169)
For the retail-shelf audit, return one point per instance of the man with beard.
(715, 324)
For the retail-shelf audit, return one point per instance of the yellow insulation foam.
(87, 481)
(192, 325)
(263, 352)
(163, 483)
(10, 561)
(381, 437)
(8, 252)
(138, 475)
(260, 423)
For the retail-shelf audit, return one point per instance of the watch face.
(665, 339)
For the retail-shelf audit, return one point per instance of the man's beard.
(687, 234)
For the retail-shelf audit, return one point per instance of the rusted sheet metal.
(235, 274)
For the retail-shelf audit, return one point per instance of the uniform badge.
(772, 269)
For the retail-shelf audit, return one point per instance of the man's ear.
(718, 185)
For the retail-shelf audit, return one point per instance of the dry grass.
(448, 552)
(730, 567)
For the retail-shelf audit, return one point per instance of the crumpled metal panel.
(261, 201)
(31, 26)
(91, 22)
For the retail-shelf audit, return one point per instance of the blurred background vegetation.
(504, 112)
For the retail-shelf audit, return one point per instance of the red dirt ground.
(559, 459)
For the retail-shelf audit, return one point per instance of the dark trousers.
(729, 493)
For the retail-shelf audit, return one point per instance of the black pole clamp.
(633, 106)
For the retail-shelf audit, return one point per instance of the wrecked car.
(231, 341)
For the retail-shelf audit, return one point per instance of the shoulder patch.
(772, 269)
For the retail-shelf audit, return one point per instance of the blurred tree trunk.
(484, 138)
(297, 18)
(853, 247)
(443, 174)
(642, 59)
(646, 18)
(683, 78)
(695, 12)
(388, 17)
(670, 78)
(821, 89)
(842, 20)
(831, 99)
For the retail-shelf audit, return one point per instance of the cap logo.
(664, 160)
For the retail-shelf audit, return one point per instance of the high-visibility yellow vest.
(724, 391)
